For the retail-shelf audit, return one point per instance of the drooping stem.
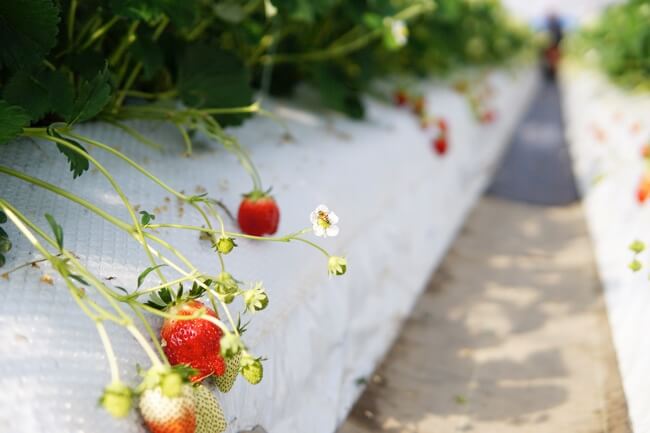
(110, 354)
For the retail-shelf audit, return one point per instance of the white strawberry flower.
(324, 222)
(400, 32)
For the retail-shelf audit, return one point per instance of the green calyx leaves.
(166, 298)
(225, 245)
(117, 399)
(226, 287)
(230, 345)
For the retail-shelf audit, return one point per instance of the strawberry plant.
(618, 43)
(197, 65)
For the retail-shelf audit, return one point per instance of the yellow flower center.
(323, 219)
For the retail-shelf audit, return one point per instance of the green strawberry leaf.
(146, 272)
(14, 119)
(150, 54)
(213, 78)
(56, 229)
(182, 13)
(40, 93)
(91, 97)
(3, 217)
(28, 31)
(78, 162)
(25, 90)
(78, 278)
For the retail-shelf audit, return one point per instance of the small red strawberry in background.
(194, 342)
(442, 125)
(643, 190)
(258, 214)
(401, 98)
(440, 144)
(645, 151)
(163, 414)
(488, 116)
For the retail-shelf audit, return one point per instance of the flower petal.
(332, 231)
(334, 218)
(319, 231)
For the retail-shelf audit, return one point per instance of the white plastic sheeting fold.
(606, 129)
(400, 206)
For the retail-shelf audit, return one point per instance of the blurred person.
(551, 54)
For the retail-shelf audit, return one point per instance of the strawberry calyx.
(166, 298)
(258, 194)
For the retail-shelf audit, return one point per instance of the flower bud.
(337, 265)
(225, 245)
(256, 298)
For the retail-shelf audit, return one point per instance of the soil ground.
(511, 335)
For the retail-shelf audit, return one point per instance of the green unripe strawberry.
(227, 380)
(251, 368)
(117, 399)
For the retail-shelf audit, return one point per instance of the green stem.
(132, 132)
(340, 49)
(147, 327)
(71, 18)
(100, 32)
(128, 39)
(117, 189)
(110, 354)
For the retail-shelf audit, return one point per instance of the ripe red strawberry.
(163, 414)
(195, 342)
(643, 190)
(440, 144)
(209, 415)
(401, 98)
(258, 214)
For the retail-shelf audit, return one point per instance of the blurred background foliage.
(618, 42)
(72, 60)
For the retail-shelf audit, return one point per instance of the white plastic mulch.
(606, 129)
(400, 206)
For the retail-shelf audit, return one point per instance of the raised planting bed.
(400, 205)
(607, 129)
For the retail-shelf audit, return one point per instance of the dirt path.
(510, 336)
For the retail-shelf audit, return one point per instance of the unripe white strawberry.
(163, 414)
(209, 415)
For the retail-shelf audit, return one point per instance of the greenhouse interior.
(324, 216)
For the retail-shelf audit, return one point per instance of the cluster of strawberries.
(478, 94)
(418, 104)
